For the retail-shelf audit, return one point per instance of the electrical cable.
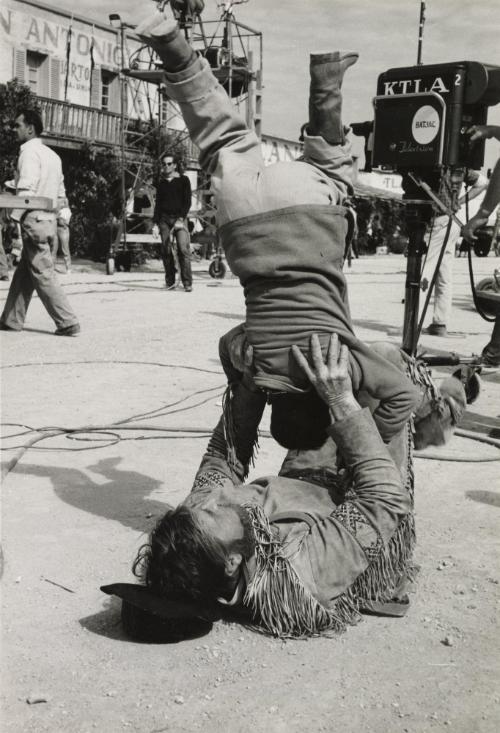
(111, 361)
(475, 299)
(113, 429)
(173, 432)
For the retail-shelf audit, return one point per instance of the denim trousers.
(231, 153)
(183, 251)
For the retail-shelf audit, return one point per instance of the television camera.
(422, 114)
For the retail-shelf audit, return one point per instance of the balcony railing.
(75, 122)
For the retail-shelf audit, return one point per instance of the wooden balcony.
(69, 125)
(74, 123)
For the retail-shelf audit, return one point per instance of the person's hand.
(479, 220)
(155, 231)
(329, 377)
(478, 132)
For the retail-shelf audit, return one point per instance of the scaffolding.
(235, 54)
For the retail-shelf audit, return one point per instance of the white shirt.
(39, 172)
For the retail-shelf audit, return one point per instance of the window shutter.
(95, 90)
(20, 65)
(43, 79)
(55, 79)
(114, 94)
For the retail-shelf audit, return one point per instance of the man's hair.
(31, 117)
(299, 421)
(182, 560)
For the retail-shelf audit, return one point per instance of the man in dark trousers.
(173, 201)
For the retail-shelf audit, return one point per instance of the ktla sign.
(425, 124)
(415, 86)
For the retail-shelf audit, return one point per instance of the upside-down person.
(283, 228)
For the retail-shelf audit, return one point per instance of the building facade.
(73, 65)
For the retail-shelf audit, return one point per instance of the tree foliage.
(92, 178)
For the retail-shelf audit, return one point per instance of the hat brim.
(151, 618)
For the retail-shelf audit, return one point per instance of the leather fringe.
(283, 607)
(231, 438)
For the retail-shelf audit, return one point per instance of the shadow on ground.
(122, 497)
(484, 497)
(106, 622)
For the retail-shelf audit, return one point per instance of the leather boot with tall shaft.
(325, 97)
(165, 37)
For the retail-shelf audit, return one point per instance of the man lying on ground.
(300, 559)
(283, 228)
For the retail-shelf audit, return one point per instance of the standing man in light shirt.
(39, 173)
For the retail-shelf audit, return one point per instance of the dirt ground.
(75, 512)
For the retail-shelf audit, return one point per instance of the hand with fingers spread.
(330, 377)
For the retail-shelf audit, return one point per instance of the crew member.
(39, 173)
(173, 201)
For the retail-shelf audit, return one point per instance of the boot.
(325, 98)
(165, 38)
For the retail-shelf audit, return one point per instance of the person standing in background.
(173, 201)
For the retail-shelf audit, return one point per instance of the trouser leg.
(184, 256)
(37, 236)
(443, 291)
(4, 264)
(19, 296)
(54, 246)
(62, 240)
(166, 253)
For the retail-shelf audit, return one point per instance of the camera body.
(422, 114)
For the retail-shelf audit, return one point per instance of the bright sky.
(385, 33)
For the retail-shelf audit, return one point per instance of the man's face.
(24, 132)
(221, 520)
(168, 166)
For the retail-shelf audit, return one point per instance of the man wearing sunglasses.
(173, 201)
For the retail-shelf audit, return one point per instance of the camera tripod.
(419, 213)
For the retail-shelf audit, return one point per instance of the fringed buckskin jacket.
(316, 561)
